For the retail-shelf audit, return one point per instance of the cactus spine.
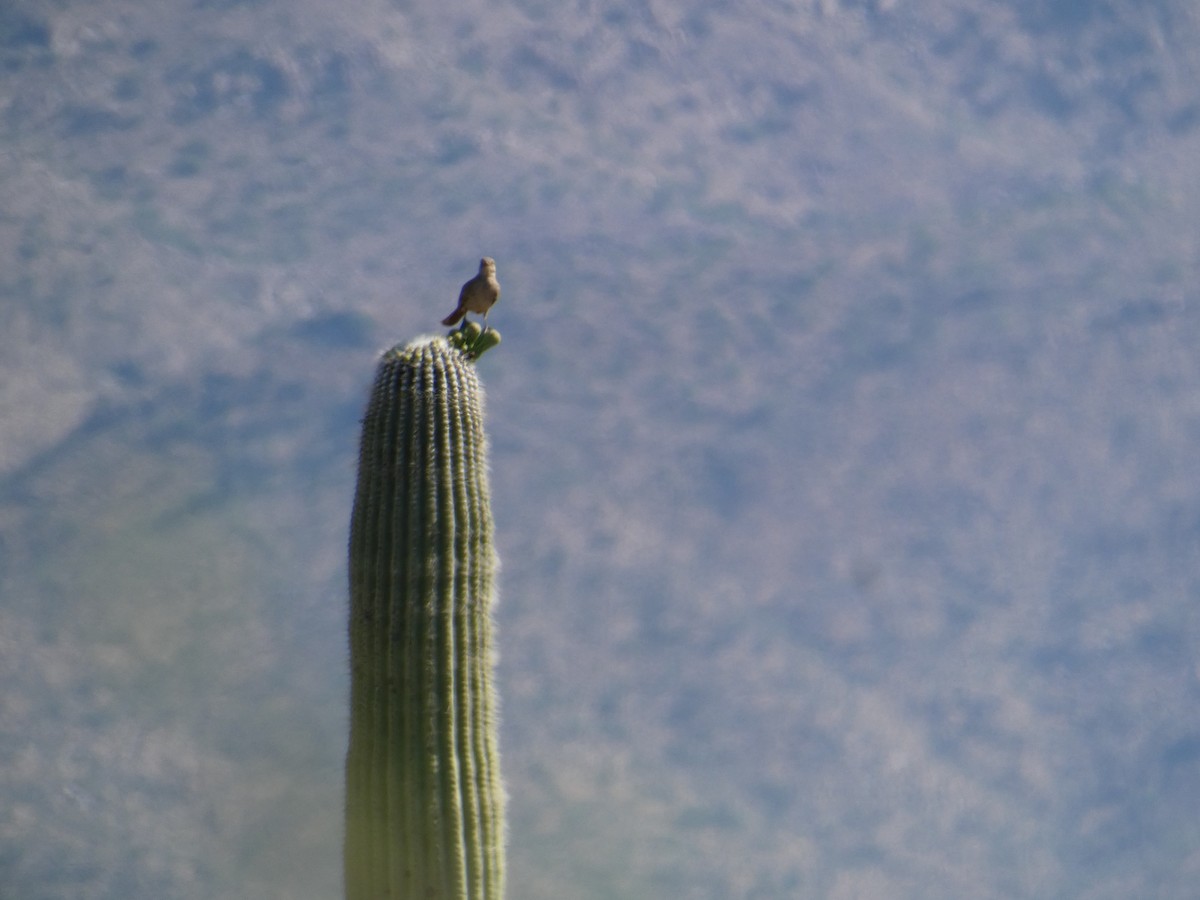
(424, 800)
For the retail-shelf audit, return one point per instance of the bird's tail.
(453, 318)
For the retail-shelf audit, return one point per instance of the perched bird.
(478, 294)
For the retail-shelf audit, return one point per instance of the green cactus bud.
(424, 799)
(464, 337)
(472, 339)
(485, 342)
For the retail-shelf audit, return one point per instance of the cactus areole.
(424, 800)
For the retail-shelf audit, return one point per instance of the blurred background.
(850, 542)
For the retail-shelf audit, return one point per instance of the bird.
(478, 294)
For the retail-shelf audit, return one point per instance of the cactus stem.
(424, 800)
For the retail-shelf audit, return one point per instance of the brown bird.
(478, 294)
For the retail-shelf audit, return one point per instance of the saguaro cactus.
(424, 800)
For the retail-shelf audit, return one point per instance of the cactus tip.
(473, 340)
